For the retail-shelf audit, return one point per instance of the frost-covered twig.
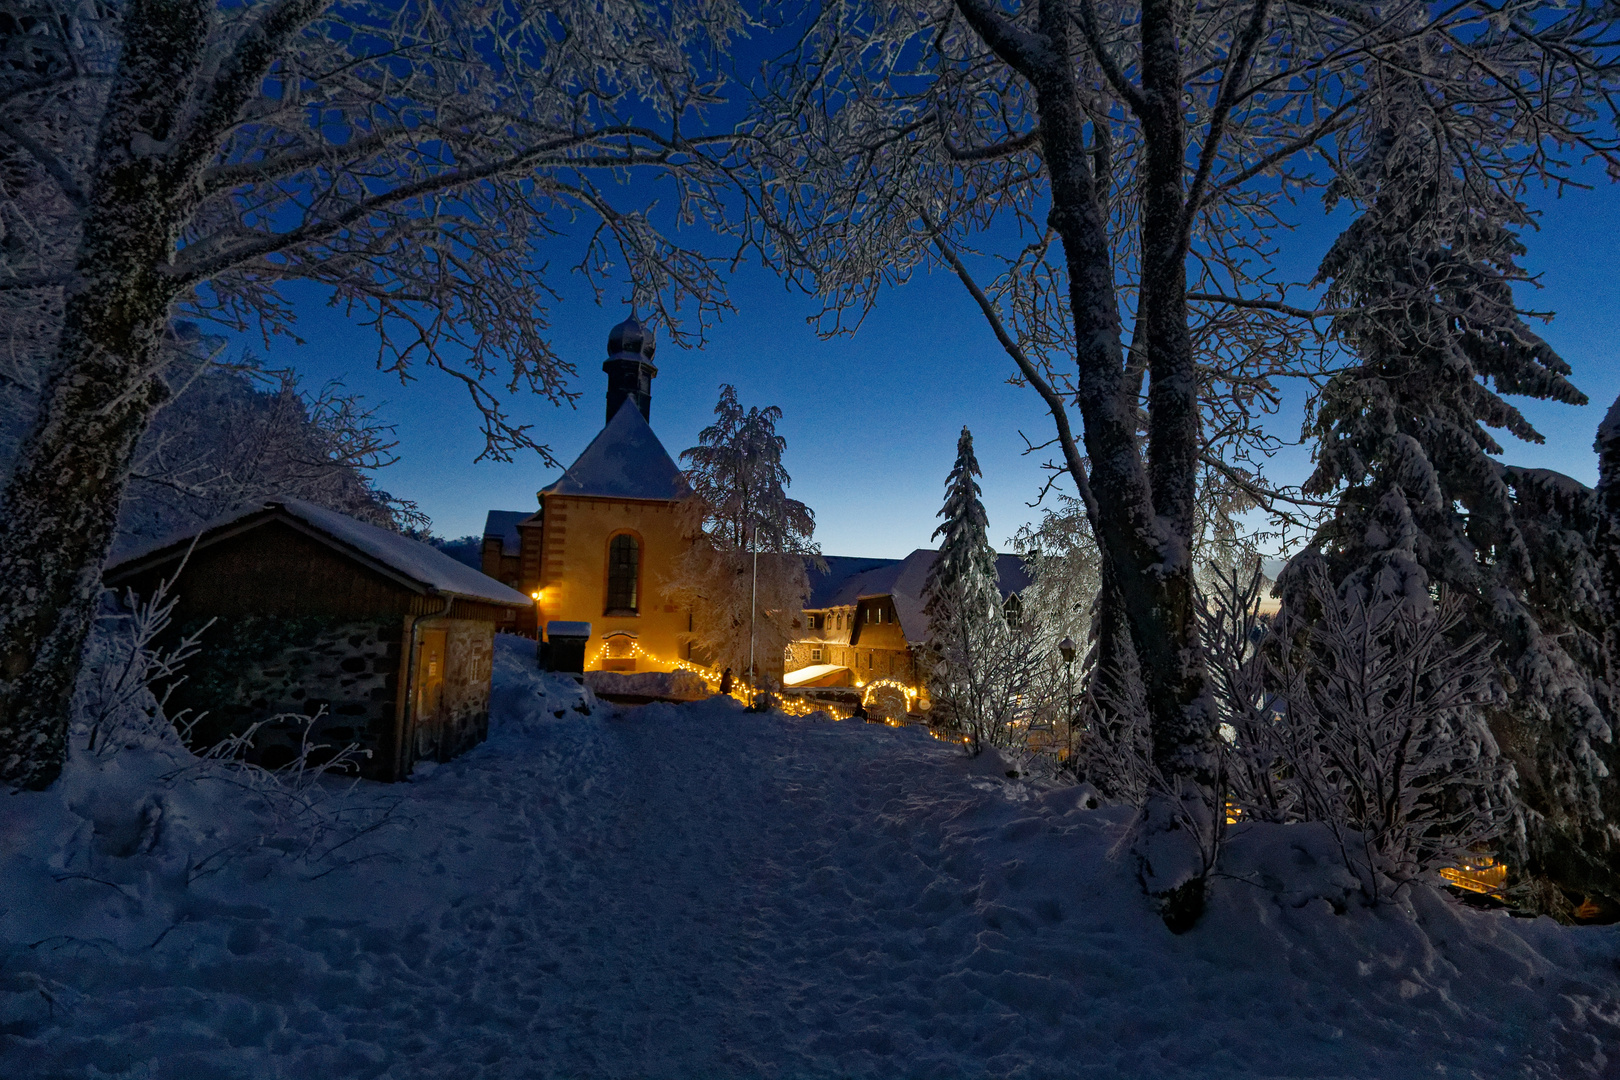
(130, 675)
(304, 808)
(1376, 729)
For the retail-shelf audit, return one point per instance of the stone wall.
(283, 670)
(464, 714)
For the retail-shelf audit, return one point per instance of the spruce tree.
(1425, 277)
(963, 578)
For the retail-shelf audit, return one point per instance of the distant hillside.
(463, 549)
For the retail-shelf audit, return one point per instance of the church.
(606, 535)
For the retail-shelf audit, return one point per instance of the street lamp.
(1066, 647)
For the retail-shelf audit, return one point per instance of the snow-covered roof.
(504, 524)
(624, 461)
(810, 674)
(567, 628)
(423, 564)
(849, 580)
(824, 585)
(1012, 576)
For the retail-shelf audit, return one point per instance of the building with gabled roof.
(502, 550)
(330, 629)
(607, 533)
(864, 621)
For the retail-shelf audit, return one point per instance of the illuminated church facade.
(605, 537)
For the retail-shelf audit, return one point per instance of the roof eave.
(129, 569)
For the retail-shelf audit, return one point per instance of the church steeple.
(629, 367)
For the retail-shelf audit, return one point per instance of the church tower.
(630, 368)
(607, 535)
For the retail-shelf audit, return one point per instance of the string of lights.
(867, 689)
(793, 706)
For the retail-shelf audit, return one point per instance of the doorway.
(428, 709)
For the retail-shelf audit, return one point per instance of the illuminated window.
(624, 564)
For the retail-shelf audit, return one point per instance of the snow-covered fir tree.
(740, 507)
(976, 671)
(1424, 277)
(963, 576)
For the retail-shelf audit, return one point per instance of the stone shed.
(386, 641)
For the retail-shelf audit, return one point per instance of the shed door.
(430, 657)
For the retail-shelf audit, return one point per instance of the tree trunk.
(59, 509)
(56, 526)
(1145, 514)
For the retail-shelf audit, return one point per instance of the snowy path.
(697, 892)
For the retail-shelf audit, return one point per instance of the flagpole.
(753, 607)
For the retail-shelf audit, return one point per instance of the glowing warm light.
(708, 675)
(1478, 873)
(793, 706)
(910, 692)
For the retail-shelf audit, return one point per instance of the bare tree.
(185, 157)
(738, 608)
(980, 676)
(736, 470)
(743, 573)
(238, 434)
(1375, 728)
(1136, 160)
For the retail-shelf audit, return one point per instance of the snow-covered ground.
(694, 891)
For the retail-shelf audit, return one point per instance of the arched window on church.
(624, 568)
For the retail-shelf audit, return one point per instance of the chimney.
(629, 367)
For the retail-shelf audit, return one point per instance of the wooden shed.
(388, 641)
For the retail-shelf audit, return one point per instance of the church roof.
(624, 461)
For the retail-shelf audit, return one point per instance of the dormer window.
(1013, 609)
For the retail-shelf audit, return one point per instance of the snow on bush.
(139, 789)
(1368, 720)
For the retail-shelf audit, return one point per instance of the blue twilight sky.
(871, 420)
